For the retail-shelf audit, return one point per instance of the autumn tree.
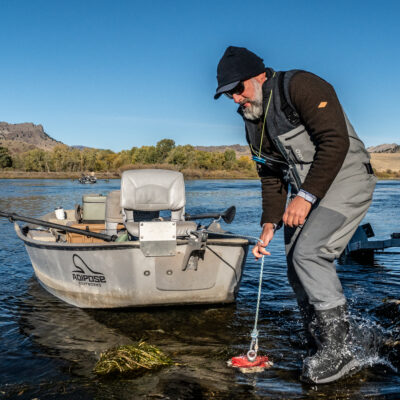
(5, 158)
(163, 148)
(229, 159)
(36, 160)
(122, 158)
(104, 160)
(182, 156)
(146, 155)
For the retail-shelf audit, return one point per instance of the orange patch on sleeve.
(322, 104)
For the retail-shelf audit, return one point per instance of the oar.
(15, 217)
(228, 215)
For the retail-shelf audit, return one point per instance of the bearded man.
(306, 151)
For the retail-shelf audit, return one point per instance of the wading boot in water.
(309, 318)
(334, 359)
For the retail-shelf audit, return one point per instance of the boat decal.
(85, 275)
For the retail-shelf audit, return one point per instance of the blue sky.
(117, 74)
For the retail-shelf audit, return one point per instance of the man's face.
(250, 99)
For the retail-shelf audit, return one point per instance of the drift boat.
(139, 249)
(87, 179)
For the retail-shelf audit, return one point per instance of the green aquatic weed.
(136, 358)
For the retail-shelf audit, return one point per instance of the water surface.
(48, 348)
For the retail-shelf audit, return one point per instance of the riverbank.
(386, 163)
(386, 166)
(189, 174)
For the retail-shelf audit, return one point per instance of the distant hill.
(239, 149)
(80, 147)
(26, 136)
(385, 148)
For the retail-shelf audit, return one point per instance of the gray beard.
(255, 110)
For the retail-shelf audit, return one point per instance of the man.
(304, 145)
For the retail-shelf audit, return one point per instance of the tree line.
(63, 158)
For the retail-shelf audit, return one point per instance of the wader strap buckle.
(368, 166)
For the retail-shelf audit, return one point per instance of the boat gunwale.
(232, 242)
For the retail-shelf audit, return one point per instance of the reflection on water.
(48, 348)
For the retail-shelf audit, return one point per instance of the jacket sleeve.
(274, 193)
(316, 102)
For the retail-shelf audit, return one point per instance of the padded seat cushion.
(152, 190)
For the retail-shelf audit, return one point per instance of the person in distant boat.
(305, 149)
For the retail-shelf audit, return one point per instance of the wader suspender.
(262, 159)
(290, 113)
(293, 117)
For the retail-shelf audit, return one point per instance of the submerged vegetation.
(193, 162)
(132, 359)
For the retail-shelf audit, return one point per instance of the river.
(48, 348)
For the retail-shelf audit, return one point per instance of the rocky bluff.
(23, 137)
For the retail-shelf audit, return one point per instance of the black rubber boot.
(334, 359)
(309, 319)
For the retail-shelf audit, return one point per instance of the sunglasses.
(238, 89)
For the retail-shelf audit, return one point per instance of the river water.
(48, 348)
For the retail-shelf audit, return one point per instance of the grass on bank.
(189, 173)
(388, 174)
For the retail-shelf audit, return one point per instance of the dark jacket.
(321, 114)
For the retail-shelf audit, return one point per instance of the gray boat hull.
(113, 275)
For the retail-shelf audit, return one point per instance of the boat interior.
(149, 208)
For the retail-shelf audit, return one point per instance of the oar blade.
(229, 215)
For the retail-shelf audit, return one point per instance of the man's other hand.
(266, 236)
(296, 212)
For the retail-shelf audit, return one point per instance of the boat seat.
(115, 215)
(146, 192)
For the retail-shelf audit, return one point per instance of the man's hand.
(296, 212)
(266, 236)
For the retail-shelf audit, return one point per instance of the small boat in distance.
(87, 179)
(135, 247)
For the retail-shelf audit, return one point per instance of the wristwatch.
(307, 196)
(273, 224)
